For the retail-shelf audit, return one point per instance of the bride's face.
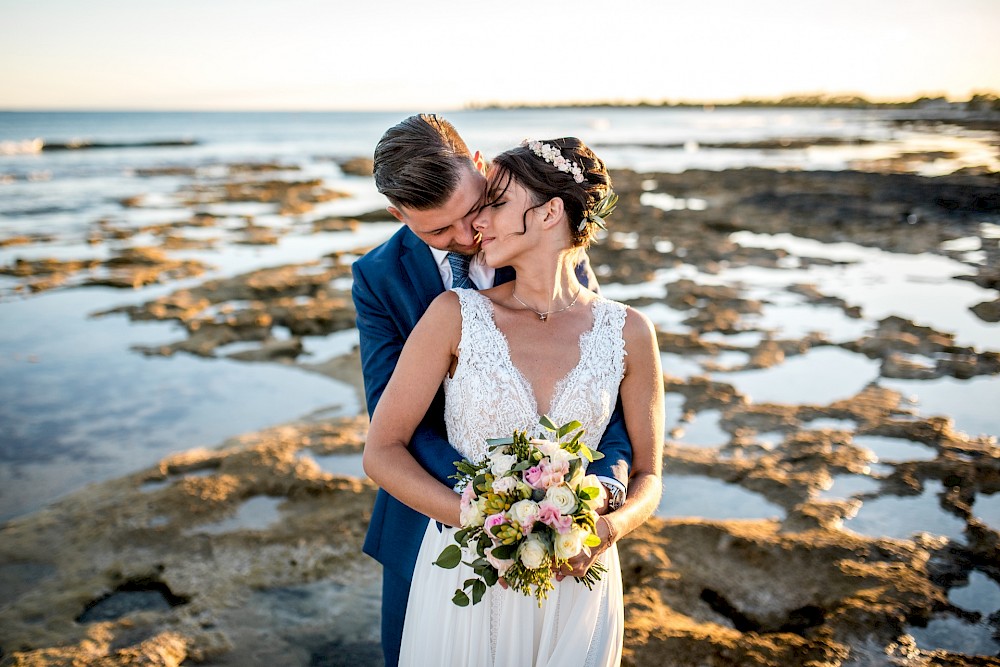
(503, 221)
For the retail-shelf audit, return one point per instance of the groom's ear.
(480, 162)
(395, 212)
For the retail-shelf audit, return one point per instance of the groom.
(434, 187)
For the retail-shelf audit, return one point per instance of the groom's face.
(449, 226)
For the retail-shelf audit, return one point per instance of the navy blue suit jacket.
(393, 286)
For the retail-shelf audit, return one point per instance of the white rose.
(544, 446)
(532, 553)
(472, 515)
(502, 464)
(563, 498)
(525, 512)
(504, 485)
(560, 455)
(569, 543)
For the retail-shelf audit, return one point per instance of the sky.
(396, 54)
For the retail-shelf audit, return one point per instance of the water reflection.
(696, 496)
(901, 517)
(818, 377)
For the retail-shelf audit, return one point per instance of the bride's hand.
(579, 564)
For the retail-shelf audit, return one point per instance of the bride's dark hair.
(544, 182)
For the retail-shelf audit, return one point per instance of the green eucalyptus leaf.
(450, 557)
(478, 589)
(566, 428)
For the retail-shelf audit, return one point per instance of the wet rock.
(291, 197)
(115, 539)
(897, 341)
(358, 166)
(987, 311)
(335, 224)
(246, 308)
(131, 268)
(25, 239)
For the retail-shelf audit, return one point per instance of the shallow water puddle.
(154, 484)
(703, 430)
(848, 486)
(680, 366)
(818, 377)
(799, 320)
(831, 424)
(743, 338)
(987, 509)
(336, 344)
(896, 449)
(965, 401)
(349, 465)
(257, 513)
(900, 517)
(957, 635)
(673, 405)
(691, 496)
(878, 279)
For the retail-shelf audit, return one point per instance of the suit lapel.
(503, 275)
(419, 267)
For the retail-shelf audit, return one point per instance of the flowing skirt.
(574, 627)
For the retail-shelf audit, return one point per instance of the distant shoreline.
(979, 102)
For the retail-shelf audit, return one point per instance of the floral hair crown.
(553, 156)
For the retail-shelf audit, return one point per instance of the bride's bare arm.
(423, 364)
(642, 402)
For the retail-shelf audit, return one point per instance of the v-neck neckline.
(559, 387)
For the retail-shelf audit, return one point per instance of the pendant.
(543, 316)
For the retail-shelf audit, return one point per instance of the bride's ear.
(554, 210)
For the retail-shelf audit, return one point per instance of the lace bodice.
(489, 397)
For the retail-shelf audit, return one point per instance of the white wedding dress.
(488, 397)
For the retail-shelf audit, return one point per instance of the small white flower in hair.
(553, 156)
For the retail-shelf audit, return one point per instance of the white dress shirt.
(481, 274)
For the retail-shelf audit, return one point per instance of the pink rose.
(468, 497)
(533, 476)
(550, 515)
(494, 520)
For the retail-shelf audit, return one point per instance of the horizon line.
(815, 99)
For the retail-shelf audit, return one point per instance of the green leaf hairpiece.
(603, 209)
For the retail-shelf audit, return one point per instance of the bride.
(503, 358)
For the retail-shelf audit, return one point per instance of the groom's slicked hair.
(419, 162)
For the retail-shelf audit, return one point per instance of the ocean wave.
(31, 146)
(23, 147)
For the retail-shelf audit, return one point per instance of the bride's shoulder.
(445, 311)
(638, 329)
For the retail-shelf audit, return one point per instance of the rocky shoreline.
(249, 553)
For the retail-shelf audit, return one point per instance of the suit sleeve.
(617, 450)
(381, 344)
(615, 445)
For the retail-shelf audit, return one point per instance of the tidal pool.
(900, 517)
(694, 496)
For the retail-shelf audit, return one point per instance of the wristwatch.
(616, 496)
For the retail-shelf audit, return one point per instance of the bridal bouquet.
(527, 509)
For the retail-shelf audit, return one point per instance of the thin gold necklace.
(545, 316)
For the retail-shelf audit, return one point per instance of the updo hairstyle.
(544, 182)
